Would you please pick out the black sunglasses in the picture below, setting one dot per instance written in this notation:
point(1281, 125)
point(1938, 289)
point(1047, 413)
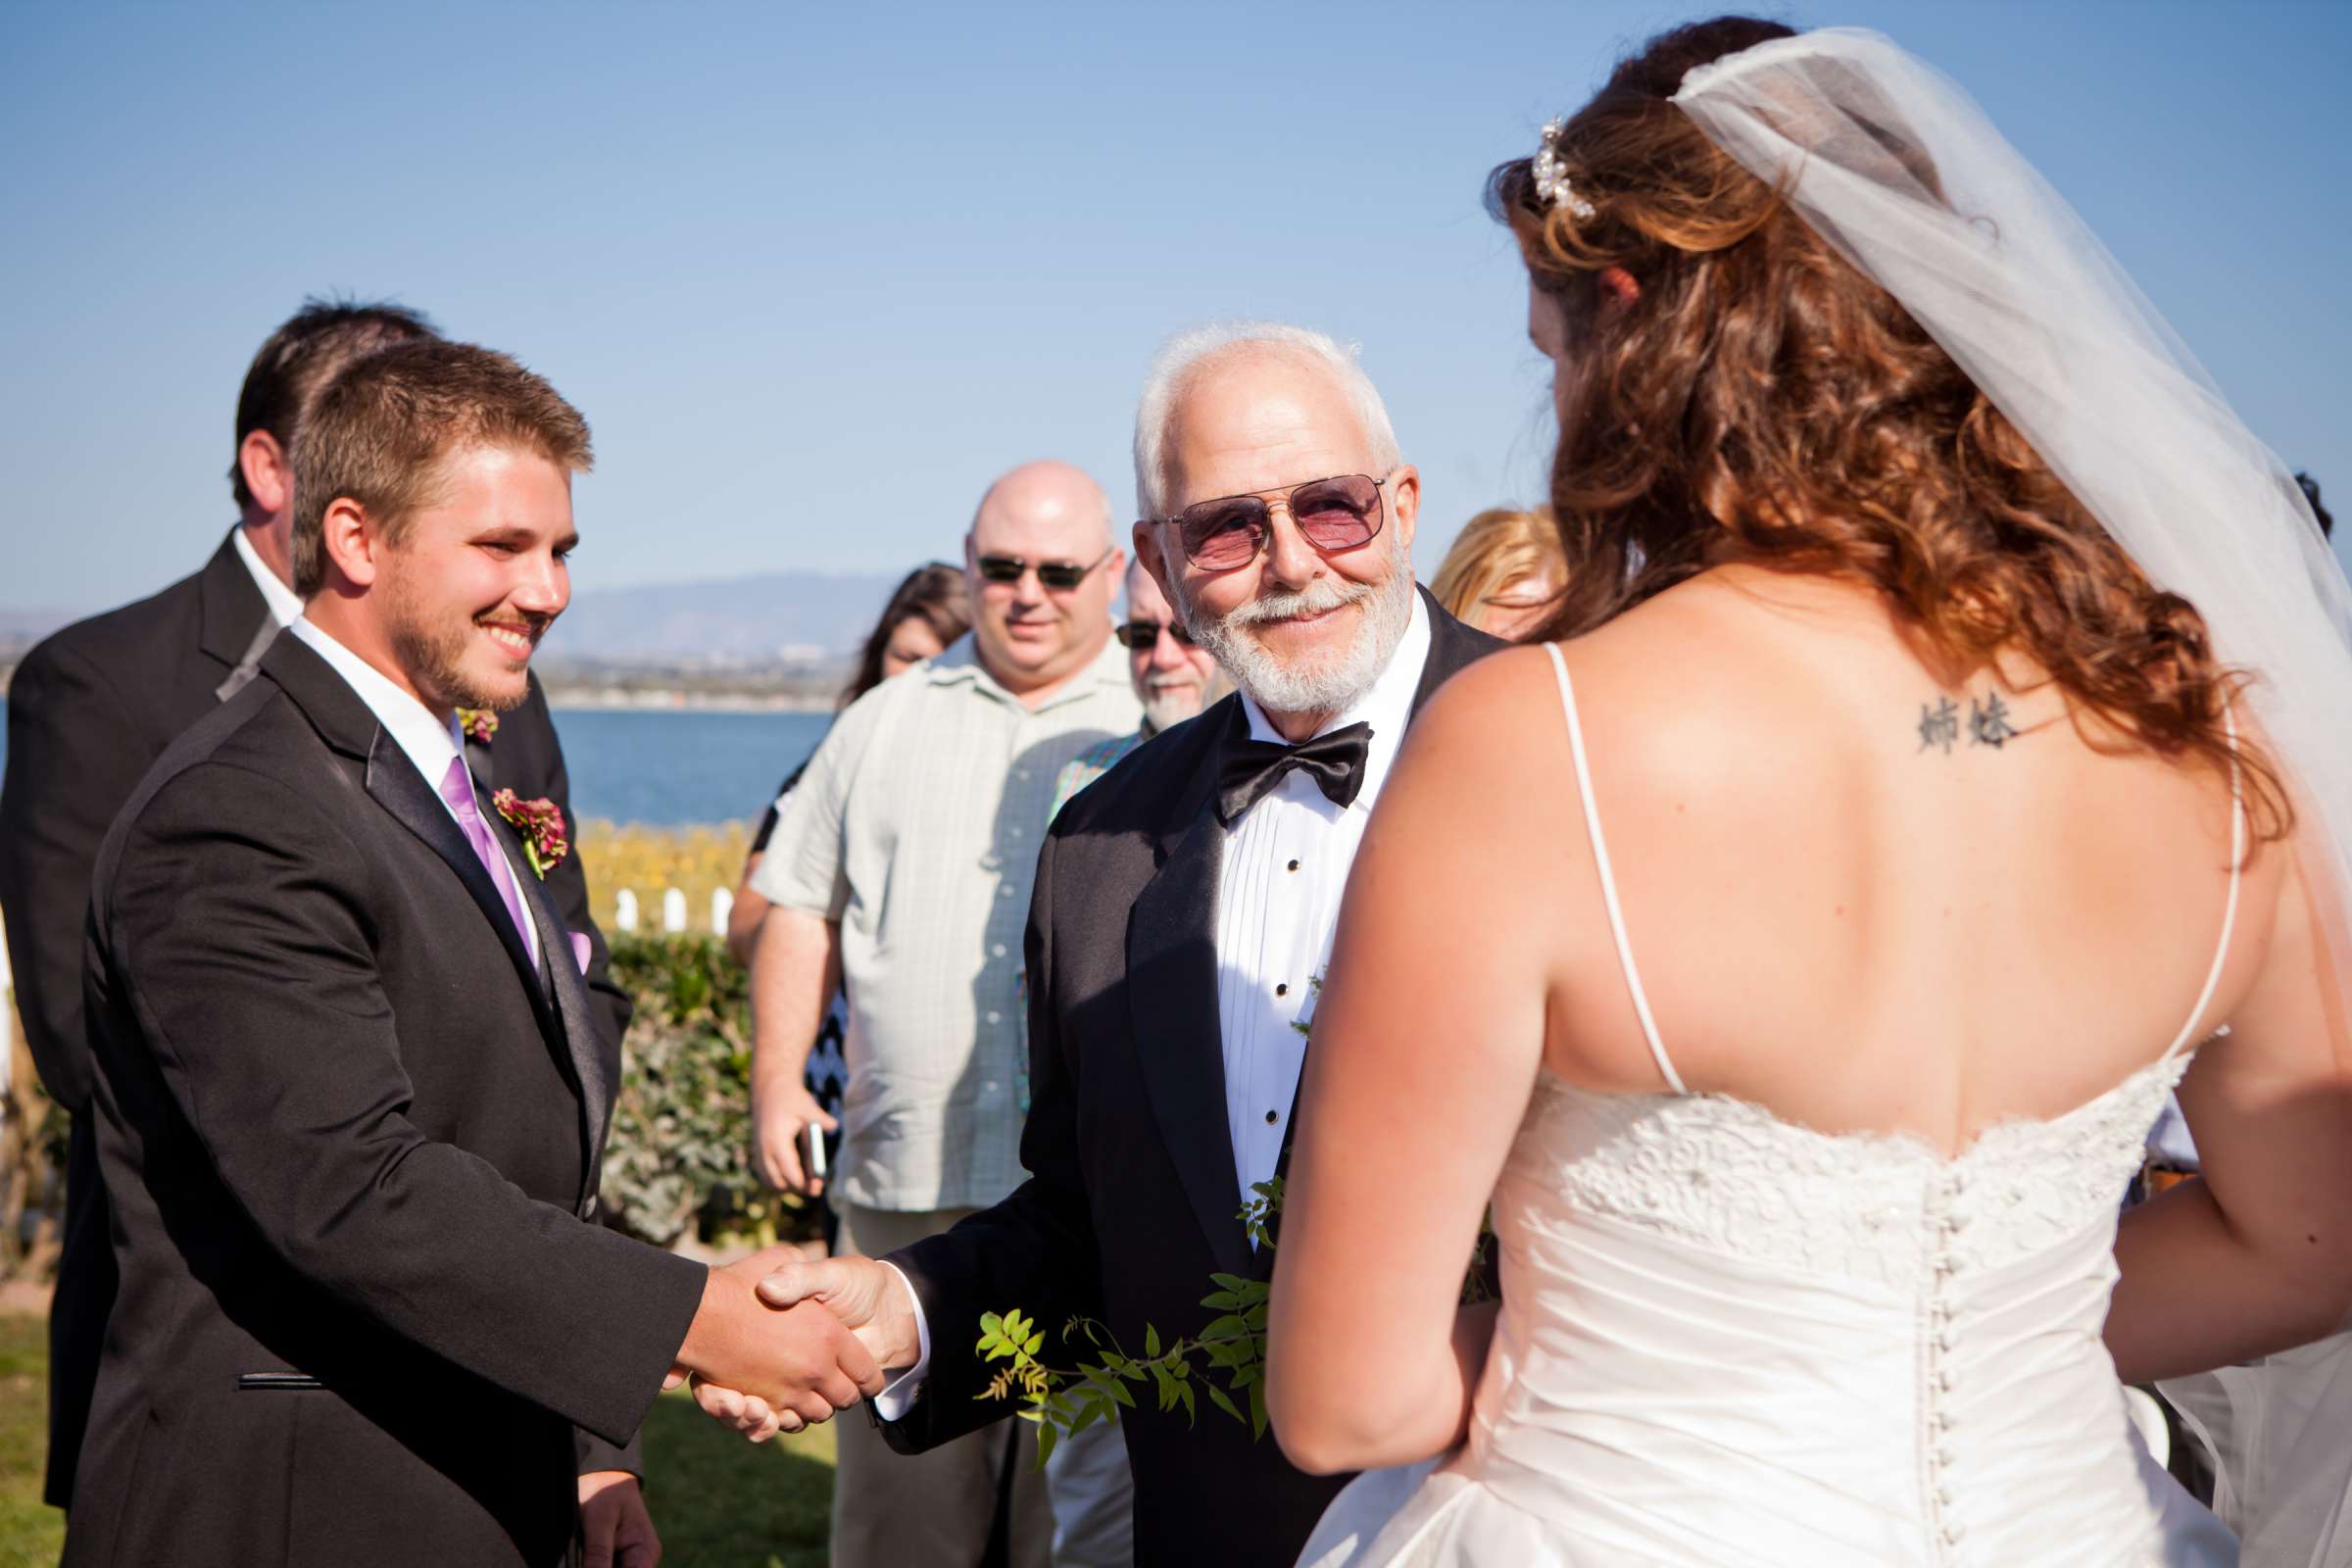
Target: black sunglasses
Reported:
point(1060, 575)
point(1333, 514)
point(1138, 635)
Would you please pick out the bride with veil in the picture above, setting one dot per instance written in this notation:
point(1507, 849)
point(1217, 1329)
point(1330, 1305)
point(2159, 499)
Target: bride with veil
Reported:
point(1945, 751)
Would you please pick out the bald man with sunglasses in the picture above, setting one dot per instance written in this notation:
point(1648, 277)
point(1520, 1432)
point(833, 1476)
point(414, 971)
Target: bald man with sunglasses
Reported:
point(909, 849)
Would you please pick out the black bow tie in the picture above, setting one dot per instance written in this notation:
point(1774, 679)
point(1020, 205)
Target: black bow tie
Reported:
point(1252, 769)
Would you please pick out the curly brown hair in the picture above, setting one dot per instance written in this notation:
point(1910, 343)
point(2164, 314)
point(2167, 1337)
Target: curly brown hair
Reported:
point(1761, 401)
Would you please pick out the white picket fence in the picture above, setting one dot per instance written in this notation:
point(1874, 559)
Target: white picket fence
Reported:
point(627, 913)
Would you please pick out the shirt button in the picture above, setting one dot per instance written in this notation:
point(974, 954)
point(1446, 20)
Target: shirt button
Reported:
point(988, 1087)
point(1013, 832)
point(995, 1018)
point(1004, 893)
point(1282, 991)
point(1021, 773)
point(997, 949)
point(1273, 1116)
point(1294, 866)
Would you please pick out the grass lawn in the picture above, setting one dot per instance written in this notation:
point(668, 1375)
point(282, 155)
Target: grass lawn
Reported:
point(718, 1501)
point(31, 1534)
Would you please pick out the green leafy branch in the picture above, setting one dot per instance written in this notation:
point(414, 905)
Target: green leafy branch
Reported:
point(1065, 1401)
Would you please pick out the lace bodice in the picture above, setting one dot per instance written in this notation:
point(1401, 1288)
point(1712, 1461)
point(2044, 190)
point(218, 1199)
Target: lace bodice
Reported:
point(1726, 1175)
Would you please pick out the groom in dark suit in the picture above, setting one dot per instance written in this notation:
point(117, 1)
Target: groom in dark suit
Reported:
point(1183, 912)
point(94, 706)
point(351, 1088)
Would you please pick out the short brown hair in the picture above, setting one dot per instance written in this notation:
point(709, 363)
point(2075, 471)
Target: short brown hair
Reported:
point(300, 356)
point(381, 428)
point(1762, 401)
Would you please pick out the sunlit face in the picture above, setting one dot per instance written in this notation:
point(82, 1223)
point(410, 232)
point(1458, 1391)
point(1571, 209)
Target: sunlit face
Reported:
point(1030, 635)
point(1519, 606)
point(478, 577)
point(1302, 630)
point(912, 640)
point(1171, 674)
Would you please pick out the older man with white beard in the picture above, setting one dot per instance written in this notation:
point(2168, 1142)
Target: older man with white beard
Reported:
point(1183, 908)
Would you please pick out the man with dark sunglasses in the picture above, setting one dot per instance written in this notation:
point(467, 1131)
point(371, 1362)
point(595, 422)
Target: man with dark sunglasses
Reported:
point(1173, 676)
point(909, 848)
point(1182, 914)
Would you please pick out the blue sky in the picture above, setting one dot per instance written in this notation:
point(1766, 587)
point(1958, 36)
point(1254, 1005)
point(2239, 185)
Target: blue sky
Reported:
point(815, 275)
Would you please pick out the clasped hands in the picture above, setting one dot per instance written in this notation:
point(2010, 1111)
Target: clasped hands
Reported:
point(782, 1343)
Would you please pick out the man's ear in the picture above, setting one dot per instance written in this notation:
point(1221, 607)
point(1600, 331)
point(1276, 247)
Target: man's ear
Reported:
point(1148, 557)
point(348, 543)
point(1405, 502)
point(267, 472)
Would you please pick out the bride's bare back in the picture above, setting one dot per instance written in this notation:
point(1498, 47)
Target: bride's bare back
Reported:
point(1859, 895)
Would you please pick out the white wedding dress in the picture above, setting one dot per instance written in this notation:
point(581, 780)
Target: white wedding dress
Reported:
point(1727, 1340)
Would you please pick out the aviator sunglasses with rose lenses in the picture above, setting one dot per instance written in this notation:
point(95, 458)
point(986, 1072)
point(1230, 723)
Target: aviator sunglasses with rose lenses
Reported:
point(1335, 515)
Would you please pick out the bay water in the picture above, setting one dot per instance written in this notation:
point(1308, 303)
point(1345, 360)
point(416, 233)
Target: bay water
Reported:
point(669, 768)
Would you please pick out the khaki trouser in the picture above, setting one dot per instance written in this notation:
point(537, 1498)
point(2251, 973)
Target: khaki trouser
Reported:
point(894, 1510)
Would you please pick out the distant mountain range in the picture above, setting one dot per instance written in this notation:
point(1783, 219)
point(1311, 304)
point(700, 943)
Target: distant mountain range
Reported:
point(789, 618)
point(785, 617)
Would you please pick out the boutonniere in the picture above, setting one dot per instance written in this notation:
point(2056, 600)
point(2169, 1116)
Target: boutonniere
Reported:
point(541, 824)
point(479, 724)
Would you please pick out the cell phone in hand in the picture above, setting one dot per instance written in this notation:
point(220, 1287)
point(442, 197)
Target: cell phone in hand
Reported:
point(812, 1141)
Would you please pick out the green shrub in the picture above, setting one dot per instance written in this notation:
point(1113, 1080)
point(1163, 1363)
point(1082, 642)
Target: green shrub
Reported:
point(677, 1162)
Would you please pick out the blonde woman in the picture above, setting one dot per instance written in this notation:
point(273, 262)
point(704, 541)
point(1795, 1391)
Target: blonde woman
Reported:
point(1505, 572)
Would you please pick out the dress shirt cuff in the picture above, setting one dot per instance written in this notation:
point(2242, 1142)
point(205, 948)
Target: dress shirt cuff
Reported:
point(898, 1395)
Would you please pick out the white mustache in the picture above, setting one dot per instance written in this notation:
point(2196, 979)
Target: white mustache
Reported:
point(1312, 600)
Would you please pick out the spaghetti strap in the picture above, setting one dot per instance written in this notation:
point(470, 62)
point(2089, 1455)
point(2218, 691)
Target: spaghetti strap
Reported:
point(2237, 859)
point(1609, 879)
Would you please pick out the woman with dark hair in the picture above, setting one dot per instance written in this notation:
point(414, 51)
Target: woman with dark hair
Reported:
point(926, 612)
point(1942, 759)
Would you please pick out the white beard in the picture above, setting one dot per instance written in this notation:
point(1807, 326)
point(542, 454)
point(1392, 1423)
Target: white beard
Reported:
point(1333, 680)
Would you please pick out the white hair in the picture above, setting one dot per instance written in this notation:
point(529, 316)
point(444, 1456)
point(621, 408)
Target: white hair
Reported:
point(1171, 373)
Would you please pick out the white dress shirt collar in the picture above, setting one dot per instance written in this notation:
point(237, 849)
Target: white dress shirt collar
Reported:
point(284, 608)
point(1388, 706)
point(430, 743)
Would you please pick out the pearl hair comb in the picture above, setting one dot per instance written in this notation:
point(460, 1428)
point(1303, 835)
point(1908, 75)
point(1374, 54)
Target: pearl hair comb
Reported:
point(1551, 177)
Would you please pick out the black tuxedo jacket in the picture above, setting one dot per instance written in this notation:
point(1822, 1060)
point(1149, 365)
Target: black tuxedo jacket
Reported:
point(1132, 1202)
point(89, 711)
point(351, 1135)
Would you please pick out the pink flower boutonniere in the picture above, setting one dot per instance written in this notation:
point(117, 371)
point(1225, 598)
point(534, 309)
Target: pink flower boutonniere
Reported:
point(479, 724)
point(541, 824)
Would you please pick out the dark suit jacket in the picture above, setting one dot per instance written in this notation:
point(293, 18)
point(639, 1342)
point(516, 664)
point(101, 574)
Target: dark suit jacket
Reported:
point(1132, 1201)
point(89, 711)
point(351, 1134)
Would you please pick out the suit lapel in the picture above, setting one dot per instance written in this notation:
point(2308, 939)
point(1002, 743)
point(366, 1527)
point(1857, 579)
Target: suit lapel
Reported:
point(1452, 648)
point(396, 786)
point(1173, 999)
point(592, 1072)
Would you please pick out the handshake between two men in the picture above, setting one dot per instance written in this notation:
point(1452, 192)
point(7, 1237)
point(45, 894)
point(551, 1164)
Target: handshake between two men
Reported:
point(782, 1343)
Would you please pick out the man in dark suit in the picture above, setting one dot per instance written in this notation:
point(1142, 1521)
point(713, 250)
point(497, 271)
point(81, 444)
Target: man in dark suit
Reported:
point(1183, 908)
point(89, 710)
point(351, 1091)
point(94, 706)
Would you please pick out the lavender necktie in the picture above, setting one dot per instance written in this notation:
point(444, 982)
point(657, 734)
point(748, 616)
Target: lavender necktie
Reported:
point(456, 787)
